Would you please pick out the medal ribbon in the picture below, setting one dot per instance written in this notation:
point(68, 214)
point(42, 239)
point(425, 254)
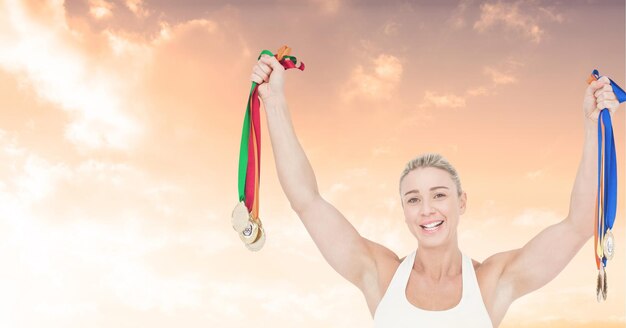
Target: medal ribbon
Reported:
point(250, 148)
point(606, 199)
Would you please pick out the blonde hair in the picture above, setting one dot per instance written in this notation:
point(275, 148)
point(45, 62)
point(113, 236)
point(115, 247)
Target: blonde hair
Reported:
point(432, 160)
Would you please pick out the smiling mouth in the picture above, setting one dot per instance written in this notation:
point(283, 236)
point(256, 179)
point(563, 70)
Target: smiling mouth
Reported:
point(432, 226)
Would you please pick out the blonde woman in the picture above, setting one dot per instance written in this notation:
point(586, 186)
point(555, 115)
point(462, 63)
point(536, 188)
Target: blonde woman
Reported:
point(437, 285)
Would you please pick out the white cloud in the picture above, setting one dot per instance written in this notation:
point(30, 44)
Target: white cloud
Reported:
point(48, 58)
point(391, 28)
point(498, 77)
point(478, 91)
point(379, 84)
point(534, 217)
point(525, 21)
point(137, 7)
point(457, 19)
point(431, 99)
point(100, 9)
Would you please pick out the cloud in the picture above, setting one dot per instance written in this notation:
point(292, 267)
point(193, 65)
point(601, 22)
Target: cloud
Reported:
point(100, 9)
point(137, 7)
point(534, 217)
point(503, 74)
point(431, 99)
point(498, 77)
point(525, 21)
point(329, 7)
point(533, 175)
point(391, 28)
point(50, 59)
point(478, 91)
point(378, 84)
point(457, 19)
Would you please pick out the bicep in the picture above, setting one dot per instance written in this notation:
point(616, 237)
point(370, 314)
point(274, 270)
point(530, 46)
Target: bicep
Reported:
point(341, 245)
point(542, 258)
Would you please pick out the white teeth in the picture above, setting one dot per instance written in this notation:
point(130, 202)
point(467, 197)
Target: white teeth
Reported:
point(432, 224)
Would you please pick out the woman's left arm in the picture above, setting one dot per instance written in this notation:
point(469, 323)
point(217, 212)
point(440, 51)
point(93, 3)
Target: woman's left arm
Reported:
point(546, 255)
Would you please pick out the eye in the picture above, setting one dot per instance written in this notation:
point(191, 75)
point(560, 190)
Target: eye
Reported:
point(412, 200)
point(443, 195)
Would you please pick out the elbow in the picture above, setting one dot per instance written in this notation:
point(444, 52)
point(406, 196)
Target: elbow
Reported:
point(302, 203)
point(582, 226)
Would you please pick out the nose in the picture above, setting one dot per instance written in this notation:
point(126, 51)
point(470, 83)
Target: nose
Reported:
point(427, 208)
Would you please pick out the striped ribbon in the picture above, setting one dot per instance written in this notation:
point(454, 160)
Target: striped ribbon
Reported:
point(250, 148)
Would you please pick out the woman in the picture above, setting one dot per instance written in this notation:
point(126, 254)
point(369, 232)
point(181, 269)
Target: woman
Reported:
point(436, 285)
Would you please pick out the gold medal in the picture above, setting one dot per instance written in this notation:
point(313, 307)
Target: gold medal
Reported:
point(604, 287)
point(609, 245)
point(258, 244)
point(600, 284)
point(240, 217)
point(250, 233)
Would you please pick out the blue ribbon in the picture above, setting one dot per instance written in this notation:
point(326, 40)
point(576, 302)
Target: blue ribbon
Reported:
point(609, 201)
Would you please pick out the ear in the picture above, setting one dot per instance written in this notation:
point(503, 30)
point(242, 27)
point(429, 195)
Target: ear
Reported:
point(462, 203)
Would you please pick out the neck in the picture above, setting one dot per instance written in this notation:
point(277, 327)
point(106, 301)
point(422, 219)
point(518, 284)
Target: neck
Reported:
point(437, 263)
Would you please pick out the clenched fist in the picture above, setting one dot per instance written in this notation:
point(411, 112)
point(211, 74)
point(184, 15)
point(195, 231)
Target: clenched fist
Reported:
point(599, 95)
point(269, 74)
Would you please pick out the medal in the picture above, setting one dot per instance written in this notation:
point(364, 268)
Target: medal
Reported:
point(606, 197)
point(609, 245)
point(604, 286)
point(240, 217)
point(258, 244)
point(250, 233)
point(600, 285)
point(245, 216)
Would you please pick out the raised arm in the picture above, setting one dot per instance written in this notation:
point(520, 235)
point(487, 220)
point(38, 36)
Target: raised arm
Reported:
point(546, 255)
point(351, 255)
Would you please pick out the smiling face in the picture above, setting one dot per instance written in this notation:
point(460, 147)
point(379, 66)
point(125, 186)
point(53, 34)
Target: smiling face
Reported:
point(432, 206)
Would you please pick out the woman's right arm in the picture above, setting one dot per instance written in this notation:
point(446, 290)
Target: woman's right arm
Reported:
point(351, 255)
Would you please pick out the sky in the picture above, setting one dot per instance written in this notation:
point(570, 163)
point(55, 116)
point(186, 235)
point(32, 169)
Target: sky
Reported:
point(119, 140)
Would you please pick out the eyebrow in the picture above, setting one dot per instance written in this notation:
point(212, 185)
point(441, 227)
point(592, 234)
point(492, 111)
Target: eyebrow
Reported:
point(431, 189)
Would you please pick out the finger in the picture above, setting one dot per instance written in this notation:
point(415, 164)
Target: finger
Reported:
point(593, 86)
point(255, 78)
point(609, 104)
point(271, 61)
point(605, 87)
point(614, 106)
point(264, 67)
point(604, 79)
point(606, 95)
point(258, 71)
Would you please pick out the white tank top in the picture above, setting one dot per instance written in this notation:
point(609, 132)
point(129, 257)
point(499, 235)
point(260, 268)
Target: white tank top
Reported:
point(395, 310)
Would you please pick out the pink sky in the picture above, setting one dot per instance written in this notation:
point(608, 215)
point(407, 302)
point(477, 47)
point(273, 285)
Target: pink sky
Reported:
point(119, 141)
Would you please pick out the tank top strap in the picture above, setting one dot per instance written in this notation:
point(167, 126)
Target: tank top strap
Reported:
point(470, 283)
point(401, 276)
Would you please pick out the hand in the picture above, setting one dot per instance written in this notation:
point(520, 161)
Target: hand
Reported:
point(269, 74)
point(599, 95)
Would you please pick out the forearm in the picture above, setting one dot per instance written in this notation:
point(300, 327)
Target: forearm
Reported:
point(583, 198)
point(294, 170)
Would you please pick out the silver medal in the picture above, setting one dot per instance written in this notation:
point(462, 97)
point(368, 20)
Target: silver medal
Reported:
point(609, 245)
